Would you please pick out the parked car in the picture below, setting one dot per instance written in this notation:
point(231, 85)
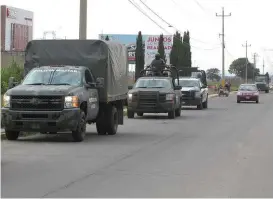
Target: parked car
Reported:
point(248, 92)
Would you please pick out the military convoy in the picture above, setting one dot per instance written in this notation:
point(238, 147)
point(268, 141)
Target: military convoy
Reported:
point(71, 83)
point(262, 82)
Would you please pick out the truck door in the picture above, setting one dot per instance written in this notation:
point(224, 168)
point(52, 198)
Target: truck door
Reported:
point(92, 98)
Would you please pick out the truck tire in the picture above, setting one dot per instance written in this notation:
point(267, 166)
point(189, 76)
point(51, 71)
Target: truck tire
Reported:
point(140, 114)
point(178, 112)
point(171, 114)
point(130, 114)
point(12, 135)
point(79, 134)
point(267, 91)
point(205, 104)
point(112, 121)
point(200, 106)
point(101, 129)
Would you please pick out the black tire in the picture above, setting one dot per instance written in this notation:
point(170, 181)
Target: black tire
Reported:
point(238, 101)
point(43, 133)
point(12, 135)
point(79, 134)
point(101, 129)
point(139, 114)
point(178, 112)
point(267, 91)
point(130, 114)
point(200, 106)
point(257, 101)
point(112, 121)
point(205, 104)
point(171, 114)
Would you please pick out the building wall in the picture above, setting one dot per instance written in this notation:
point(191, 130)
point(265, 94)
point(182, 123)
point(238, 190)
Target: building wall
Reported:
point(16, 28)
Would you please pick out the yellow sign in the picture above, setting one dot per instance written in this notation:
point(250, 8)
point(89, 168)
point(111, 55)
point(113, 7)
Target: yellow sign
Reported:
point(223, 82)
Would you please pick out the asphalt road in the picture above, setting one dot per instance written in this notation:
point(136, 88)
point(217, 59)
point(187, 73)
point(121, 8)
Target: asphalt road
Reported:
point(225, 151)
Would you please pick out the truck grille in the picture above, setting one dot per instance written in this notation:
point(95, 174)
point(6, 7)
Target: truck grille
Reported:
point(37, 103)
point(150, 99)
point(188, 94)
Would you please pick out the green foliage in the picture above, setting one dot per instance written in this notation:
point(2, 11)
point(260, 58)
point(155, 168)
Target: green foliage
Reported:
point(139, 55)
point(14, 70)
point(107, 38)
point(161, 49)
point(213, 74)
point(176, 48)
point(238, 67)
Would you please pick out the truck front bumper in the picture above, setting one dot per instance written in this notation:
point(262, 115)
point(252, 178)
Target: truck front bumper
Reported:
point(40, 121)
point(191, 102)
point(159, 108)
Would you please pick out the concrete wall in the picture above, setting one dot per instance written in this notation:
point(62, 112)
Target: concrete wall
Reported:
point(8, 57)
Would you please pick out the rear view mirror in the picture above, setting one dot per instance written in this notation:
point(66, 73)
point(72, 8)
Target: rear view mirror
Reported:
point(100, 82)
point(178, 87)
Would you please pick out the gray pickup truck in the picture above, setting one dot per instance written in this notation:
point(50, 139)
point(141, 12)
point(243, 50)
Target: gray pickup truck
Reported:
point(68, 84)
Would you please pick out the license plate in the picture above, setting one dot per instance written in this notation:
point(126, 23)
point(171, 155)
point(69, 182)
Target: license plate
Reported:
point(183, 102)
point(35, 126)
point(247, 97)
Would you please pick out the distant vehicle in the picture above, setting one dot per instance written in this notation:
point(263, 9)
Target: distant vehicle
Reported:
point(194, 93)
point(194, 87)
point(155, 93)
point(248, 92)
point(262, 82)
point(223, 92)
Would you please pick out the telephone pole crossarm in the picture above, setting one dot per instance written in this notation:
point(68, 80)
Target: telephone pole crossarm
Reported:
point(223, 39)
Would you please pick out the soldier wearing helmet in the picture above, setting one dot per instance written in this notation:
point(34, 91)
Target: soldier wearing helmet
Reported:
point(158, 64)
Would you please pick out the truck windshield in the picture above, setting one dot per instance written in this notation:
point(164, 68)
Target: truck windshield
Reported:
point(53, 77)
point(188, 83)
point(260, 79)
point(153, 83)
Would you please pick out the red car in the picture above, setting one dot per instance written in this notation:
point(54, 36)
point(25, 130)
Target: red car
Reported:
point(248, 92)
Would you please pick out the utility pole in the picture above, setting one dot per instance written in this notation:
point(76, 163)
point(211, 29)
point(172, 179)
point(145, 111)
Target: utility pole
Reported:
point(255, 55)
point(246, 46)
point(263, 66)
point(223, 39)
point(83, 20)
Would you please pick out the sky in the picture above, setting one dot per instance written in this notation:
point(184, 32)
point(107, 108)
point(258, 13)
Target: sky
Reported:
point(250, 21)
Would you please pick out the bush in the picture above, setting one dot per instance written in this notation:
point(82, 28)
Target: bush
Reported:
point(14, 70)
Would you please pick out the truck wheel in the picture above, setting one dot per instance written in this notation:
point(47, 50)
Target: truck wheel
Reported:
point(238, 101)
point(139, 114)
point(171, 114)
point(130, 114)
point(200, 106)
point(178, 112)
point(79, 134)
point(101, 129)
point(205, 104)
point(267, 91)
point(12, 135)
point(112, 121)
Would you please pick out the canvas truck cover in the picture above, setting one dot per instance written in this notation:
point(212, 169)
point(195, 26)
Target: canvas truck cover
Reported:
point(105, 59)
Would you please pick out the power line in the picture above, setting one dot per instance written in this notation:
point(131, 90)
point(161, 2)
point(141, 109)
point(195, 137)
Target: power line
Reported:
point(246, 46)
point(223, 39)
point(169, 24)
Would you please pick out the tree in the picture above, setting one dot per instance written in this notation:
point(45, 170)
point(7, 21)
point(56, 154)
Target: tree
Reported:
point(238, 67)
point(187, 47)
point(213, 74)
point(161, 49)
point(139, 55)
point(107, 38)
point(174, 54)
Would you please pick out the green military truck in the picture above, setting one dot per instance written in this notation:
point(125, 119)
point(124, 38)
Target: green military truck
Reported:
point(67, 84)
point(262, 82)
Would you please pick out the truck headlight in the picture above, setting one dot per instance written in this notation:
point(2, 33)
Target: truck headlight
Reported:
point(169, 97)
point(71, 102)
point(197, 94)
point(130, 97)
point(6, 101)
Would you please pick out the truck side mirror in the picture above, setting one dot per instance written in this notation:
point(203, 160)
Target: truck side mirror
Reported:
point(12, 83)
point(100, 82)
point(130, 87)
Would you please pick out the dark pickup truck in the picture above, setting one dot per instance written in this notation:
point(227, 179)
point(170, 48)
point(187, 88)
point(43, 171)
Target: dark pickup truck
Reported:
point(68, 83)
point(154, 94)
